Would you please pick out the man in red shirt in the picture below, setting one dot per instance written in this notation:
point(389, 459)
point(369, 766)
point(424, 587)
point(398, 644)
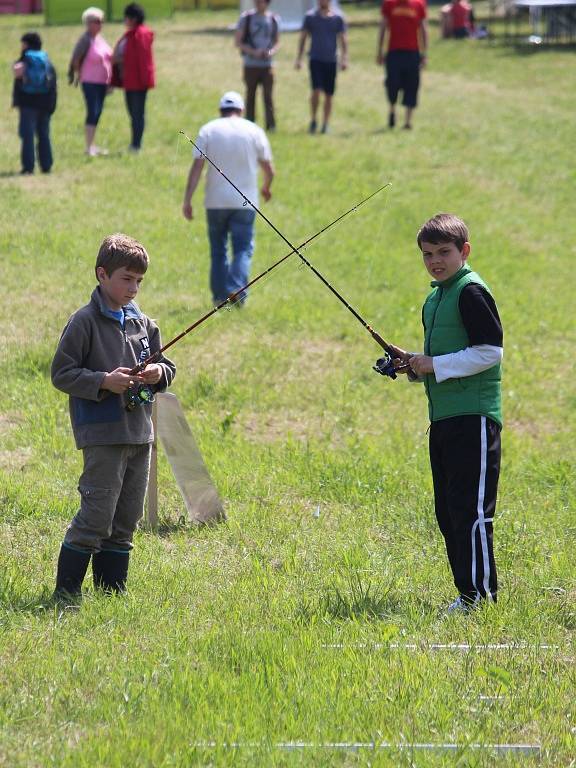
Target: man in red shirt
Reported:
point(405, 21)
point(457, 19)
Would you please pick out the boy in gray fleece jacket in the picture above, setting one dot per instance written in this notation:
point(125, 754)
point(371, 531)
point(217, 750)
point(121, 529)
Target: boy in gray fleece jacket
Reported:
point(99, 346)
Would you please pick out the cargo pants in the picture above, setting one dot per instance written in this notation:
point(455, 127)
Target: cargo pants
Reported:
point(112, 490)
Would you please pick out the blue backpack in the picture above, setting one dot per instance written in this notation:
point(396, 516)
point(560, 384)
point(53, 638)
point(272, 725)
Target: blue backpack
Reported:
point(38, 76)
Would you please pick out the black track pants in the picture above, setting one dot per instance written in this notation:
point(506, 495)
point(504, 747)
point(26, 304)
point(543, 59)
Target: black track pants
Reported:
point(465, 461)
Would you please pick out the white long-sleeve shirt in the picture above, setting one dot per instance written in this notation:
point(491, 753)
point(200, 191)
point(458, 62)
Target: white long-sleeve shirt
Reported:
point(467, 362)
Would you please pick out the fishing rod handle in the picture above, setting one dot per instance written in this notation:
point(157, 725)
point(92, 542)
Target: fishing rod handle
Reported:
point(379, 340)
point(140, 367)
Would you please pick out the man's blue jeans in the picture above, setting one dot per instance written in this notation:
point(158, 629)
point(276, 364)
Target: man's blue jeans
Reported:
point(35, 122)
point(227, 277)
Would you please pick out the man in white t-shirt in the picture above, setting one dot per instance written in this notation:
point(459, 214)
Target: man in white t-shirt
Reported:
point(239, 148)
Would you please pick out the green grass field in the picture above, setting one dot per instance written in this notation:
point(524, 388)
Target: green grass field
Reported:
point(223, 635)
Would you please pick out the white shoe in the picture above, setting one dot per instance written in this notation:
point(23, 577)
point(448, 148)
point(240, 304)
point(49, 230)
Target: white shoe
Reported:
point(94, 151)
point(459, 606)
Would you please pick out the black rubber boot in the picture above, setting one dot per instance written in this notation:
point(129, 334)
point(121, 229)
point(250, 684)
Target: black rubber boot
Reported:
point(110, 570)
point(72, 567)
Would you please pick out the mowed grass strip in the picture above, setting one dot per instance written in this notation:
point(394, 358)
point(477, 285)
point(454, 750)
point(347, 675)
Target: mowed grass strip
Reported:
point(331, 539)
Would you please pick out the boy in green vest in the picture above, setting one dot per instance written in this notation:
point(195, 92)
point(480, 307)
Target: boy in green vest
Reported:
point(460, 369)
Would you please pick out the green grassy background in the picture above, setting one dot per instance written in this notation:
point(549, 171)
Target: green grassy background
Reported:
point(222, 634)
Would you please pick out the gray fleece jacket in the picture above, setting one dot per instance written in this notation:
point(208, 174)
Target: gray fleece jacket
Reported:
point(92, 344)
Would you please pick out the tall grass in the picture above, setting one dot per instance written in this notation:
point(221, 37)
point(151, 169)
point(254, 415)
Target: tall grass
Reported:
point(331, 539)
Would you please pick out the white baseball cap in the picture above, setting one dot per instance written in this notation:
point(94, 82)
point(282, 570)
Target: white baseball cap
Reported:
point(232, 100)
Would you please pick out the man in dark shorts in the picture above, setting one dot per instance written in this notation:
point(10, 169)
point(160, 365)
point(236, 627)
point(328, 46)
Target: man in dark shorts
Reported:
point(405, 21)
point(327, 31)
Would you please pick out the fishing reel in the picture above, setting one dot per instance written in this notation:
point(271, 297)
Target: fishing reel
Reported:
point(385, 367)
point(139, 395)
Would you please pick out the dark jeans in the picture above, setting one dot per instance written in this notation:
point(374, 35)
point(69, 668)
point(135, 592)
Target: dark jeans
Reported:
point(136, 103)
point(94, 95)
point(253, 77)
point(35, 122)
point(238, 224)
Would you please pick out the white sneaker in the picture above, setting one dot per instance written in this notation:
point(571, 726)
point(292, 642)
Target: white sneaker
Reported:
point(94, 151)
point(459, 606)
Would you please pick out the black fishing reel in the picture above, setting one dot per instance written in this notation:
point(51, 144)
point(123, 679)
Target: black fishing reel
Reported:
point(385, 367)
point(139, 395)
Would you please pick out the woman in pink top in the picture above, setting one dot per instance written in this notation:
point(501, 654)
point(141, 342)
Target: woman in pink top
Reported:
point(91, 65)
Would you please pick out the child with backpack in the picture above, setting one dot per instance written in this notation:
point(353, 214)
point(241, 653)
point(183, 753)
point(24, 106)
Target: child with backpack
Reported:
point(34, 94)
point(257, 38)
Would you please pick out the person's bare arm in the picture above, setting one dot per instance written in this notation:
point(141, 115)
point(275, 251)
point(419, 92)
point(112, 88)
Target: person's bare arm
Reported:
point(423, 42)
point(380, 57)
point(343, 41)
point(301, 44)
point(268, 170)
point(238, 36)
point(268, 53)
point(193, 179)
point(241, 44)
point(275, 43)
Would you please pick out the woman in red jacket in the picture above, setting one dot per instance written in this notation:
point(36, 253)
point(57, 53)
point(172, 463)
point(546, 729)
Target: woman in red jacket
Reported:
point(134, 68)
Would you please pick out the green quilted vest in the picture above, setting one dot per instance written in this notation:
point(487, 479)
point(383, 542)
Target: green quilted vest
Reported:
point(445, 333)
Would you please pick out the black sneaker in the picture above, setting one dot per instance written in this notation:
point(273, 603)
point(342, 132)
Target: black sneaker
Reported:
point(391, 120)
point(312, 127)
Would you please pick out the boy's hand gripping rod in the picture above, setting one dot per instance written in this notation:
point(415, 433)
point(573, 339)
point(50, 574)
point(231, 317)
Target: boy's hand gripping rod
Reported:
point(385, 366)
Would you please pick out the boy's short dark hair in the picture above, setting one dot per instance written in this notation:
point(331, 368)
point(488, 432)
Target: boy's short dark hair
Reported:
point(443, 228)
point(119, 251)
point(134, 11)
point(32, 40)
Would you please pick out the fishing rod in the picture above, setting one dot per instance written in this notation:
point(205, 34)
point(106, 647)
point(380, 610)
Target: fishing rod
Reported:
point(143, 393)
point(385, 365)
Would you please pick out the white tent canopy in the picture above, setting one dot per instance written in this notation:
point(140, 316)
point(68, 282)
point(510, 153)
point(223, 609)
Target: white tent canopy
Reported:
point(291, 12)
point(544, 3)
